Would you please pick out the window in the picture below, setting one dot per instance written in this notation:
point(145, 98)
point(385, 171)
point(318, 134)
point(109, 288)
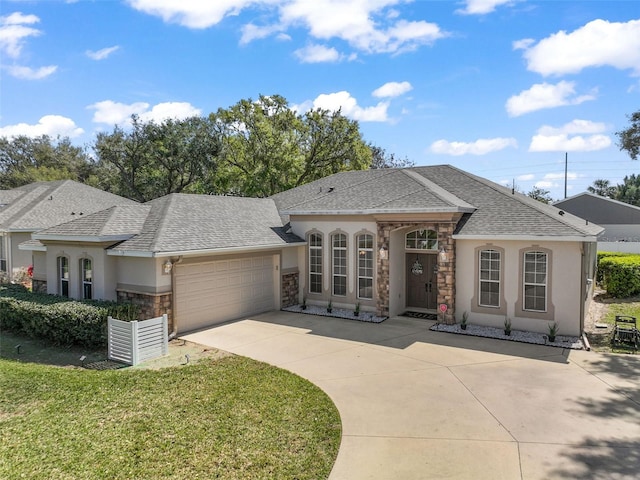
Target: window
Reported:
point(422, 240)
point(365, 266)
point(489, 283)
point(63, 276)
point(87, 278)
point(3, 258)
point(339, 263)
point(535, 281)
point(315, 263)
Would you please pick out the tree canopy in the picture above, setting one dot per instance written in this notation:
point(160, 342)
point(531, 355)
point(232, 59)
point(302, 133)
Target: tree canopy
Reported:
point(540, 194)
point(26, 160)
point(603, 188)
point(629, 138)
point(253, 148)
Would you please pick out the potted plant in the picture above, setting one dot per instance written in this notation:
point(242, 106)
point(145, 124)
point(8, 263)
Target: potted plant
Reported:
point(329, 307)
point(304, 303)
point(356, 312)
point(507, 326)
point(463, 322)
point(553, 331)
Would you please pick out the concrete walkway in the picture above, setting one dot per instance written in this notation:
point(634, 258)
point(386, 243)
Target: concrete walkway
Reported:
point(417, 404)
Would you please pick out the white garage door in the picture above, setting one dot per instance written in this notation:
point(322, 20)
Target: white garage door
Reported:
point(213, 292)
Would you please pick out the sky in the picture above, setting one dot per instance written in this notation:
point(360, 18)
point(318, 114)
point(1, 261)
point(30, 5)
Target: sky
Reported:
point(505, 89)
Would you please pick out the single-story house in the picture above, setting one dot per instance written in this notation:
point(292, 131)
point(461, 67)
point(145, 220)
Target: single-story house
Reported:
point(621, 221)
point(390, 240)
point(40, 205)
point(201, 259)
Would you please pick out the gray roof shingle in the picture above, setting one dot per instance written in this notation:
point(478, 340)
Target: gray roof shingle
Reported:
point(489, 209)
point(41, 205)
point(181, 223)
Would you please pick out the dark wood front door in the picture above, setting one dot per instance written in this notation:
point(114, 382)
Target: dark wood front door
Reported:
point(422, 284)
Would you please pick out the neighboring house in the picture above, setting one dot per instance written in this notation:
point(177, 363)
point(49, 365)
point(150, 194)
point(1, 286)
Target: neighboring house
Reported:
point(397, 240)
point(201, 259)
point(40, 205)
point(391, 240)
point(620, 220)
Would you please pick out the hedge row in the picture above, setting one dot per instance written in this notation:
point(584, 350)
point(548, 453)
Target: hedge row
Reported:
point(59, 319)
point(619, 273)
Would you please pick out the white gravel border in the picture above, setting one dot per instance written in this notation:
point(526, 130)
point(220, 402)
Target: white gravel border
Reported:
point(562, 341)
point(337, 313)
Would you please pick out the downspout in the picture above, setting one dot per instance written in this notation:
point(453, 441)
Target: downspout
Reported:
point(583, 285)
point(174, 315)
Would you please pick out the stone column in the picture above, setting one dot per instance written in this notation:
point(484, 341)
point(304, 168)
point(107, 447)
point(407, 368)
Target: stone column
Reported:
point(382, 298)
point(447, 270)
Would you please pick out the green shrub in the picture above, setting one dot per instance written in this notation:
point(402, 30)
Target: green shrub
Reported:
point(619, 273)
point(59, 319)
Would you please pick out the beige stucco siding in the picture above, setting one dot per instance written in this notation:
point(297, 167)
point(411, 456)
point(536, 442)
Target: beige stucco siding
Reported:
point(39, 265)
point(142, 274)
point(18, 258)
point(103, 288)
point(564, 304)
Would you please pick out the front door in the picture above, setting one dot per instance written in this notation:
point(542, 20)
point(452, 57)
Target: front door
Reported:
point(422, 284)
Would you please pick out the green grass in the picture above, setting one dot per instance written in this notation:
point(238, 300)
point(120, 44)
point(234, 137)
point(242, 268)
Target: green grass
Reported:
point(230, 418)
point(631, 308)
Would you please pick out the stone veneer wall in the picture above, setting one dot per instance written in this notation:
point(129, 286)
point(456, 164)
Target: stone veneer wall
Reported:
point(290, 286)
point(446, 266)
point(151, 304)
point(38, 286)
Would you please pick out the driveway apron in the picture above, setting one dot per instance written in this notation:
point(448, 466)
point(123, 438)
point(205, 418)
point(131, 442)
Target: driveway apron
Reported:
point(417, 404)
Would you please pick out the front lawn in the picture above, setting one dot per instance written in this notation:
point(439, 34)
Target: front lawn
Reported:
point(229, 418)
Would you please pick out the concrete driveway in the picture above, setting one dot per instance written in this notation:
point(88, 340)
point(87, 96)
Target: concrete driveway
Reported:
point(417, 404)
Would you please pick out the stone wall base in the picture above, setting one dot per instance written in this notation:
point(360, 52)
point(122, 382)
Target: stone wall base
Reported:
point(290, 288)
point(151, 304)
point(38, 286)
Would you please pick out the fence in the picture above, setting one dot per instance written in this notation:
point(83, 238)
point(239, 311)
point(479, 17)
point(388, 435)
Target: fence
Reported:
point(137, 341)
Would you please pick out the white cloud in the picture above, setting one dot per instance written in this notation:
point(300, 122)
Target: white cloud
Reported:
point(52, 125)
point(317, 54)
point(27, 73)
point(348, 106)
point(526, 178)
point(195, 14)
point(523, 44)
point(560, 176)
point(575, 136)
point(102, 53)
point(369, 26)
point(14, 31)
point(574, 127)
point(392, 89)
point(596, 44)
point(481, 7)
point(545, 95)
point(115, 113)
point(479, 147)
point(545, 184)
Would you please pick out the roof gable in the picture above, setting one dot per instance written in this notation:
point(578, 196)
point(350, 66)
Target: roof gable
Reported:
point(41, 205)
point(601, 210)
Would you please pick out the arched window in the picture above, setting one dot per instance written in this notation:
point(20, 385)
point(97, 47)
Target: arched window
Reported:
point(63, 276)
point(365, 266)
point(489, 281)
point(422, 239)
point(535, 281)
point(339, 263)
point(315, 263)
point(86, 274)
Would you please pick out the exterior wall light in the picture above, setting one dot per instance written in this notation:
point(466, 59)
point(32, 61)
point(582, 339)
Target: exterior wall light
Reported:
point(167, 266)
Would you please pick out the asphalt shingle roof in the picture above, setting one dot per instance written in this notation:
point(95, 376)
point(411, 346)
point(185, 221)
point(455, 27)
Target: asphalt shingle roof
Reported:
point(489, 209)
point(182, 223)
point(41, 205)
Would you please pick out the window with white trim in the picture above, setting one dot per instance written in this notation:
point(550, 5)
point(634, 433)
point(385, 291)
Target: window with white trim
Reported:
point(63, 276)
point(315, 263)
point(422, 239)
point(339, 263)
point(535, 281)
point(489, 281)
point(3, 257)
point(365, 266)
point(86, 273)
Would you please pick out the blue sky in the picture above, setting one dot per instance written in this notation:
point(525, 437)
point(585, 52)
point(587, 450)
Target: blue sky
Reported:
point(496, 87)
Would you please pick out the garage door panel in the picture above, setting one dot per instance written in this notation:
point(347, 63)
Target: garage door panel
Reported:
point(213, 292)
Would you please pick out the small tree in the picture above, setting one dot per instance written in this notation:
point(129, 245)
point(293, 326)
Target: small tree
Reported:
point(540, 194)
point(630, 137)
point(603, 188)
